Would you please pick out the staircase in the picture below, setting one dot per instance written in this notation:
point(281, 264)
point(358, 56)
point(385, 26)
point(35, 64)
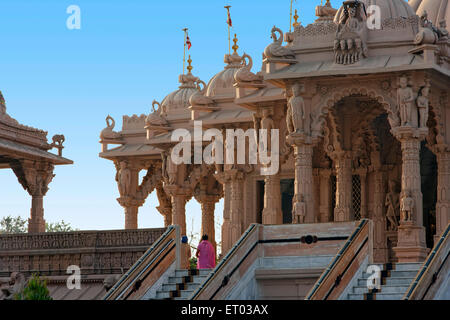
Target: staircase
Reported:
point(182, 284)
point(395, 280)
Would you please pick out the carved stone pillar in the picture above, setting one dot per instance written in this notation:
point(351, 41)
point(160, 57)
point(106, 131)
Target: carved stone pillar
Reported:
point(343, 210)
point(35, 176)
point(325, 195)
point(226, 225)
point(272, 213)
point(237, 204)
point(166, 212)
point(208, 204)
point(411, 246)
point(165, 204)
point(128, 182)
point(179, 211)
point(179, 197)
point(443, 193)
point(380, 250)
point(304, 192)
point(131, 207)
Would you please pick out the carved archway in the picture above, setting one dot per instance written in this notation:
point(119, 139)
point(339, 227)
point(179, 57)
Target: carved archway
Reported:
point(339, 93)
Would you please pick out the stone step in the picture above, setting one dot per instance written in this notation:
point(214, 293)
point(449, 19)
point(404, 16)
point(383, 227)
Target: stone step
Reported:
point(173, 279)
point(407, 267)
point(161, 295)
point(360, 290)
point(388, 296)
point(353, 296)
point(403, 274)
point(388, 281)
point(185, 294)
point(199, 279)
point(205, 272)
point(394, 273)
point(393, 289)
point(399, 281)
point(383, 289)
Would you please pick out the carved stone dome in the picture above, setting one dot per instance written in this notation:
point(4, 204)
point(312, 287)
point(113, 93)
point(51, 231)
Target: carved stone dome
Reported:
point(389, 9)
point(221, 85)
point(178, 101)
point(437, 10)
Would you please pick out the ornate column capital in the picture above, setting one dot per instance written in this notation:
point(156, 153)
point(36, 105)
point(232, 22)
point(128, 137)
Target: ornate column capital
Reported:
point(34, 176)
point(300, 139)
point(406, 133)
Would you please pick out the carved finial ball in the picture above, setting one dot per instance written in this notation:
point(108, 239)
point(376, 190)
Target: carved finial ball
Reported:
point(189, 67)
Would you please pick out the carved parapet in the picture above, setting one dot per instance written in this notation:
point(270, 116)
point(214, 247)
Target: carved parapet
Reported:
point(96, 252)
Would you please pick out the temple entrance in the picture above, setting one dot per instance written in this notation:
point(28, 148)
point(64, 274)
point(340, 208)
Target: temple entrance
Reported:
point(287, 194)
point(428, 172)
point(260, 189)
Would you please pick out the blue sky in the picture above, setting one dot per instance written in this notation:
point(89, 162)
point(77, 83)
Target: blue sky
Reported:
point(126, 54)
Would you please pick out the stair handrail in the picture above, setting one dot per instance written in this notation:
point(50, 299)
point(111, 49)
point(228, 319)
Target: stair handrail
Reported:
point(423, 278)
point(337, 259)
point(129, 277)
point(253, 228)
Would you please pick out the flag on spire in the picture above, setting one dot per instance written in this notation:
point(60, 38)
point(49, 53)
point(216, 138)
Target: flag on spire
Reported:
point(229, 22)
point(188, 42)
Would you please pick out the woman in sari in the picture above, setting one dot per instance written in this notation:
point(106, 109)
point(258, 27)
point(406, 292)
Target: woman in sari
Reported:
point(206, 255)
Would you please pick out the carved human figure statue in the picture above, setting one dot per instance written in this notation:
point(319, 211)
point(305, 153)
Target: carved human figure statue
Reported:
point(299, 212)
point(392, 205)
point(169, 169)
point(405, 99)
point(423, 105)
point(296, 113)
point(124, 179)
point(268, 124)
point(353, 23)
point(407, 206)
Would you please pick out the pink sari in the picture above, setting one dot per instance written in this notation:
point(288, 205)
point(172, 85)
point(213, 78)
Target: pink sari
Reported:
point(206, 258)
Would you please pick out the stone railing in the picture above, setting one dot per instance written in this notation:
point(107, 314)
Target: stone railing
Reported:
point(95, 252)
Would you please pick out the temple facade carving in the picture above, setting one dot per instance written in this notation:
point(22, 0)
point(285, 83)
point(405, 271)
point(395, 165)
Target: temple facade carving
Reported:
point(357, 111)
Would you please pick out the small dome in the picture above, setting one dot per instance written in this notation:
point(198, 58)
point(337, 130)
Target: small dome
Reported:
point(437, 10)
point(389, 9)
point(178, 100)
point(221, 85)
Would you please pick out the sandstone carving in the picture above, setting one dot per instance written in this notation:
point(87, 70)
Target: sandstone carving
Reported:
point(299, 211)
point(407, 206)
point(405, 101)
point(423, 105)
point(124, 179)
point(245, 73)
point(199, 100)
point(392, 206)
point(15, 286)
point(326, 12)
point(276, 50)
point(157, 117)
point(169, 169)
point(350, 43)
point(108, 132)
point(296, 113)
